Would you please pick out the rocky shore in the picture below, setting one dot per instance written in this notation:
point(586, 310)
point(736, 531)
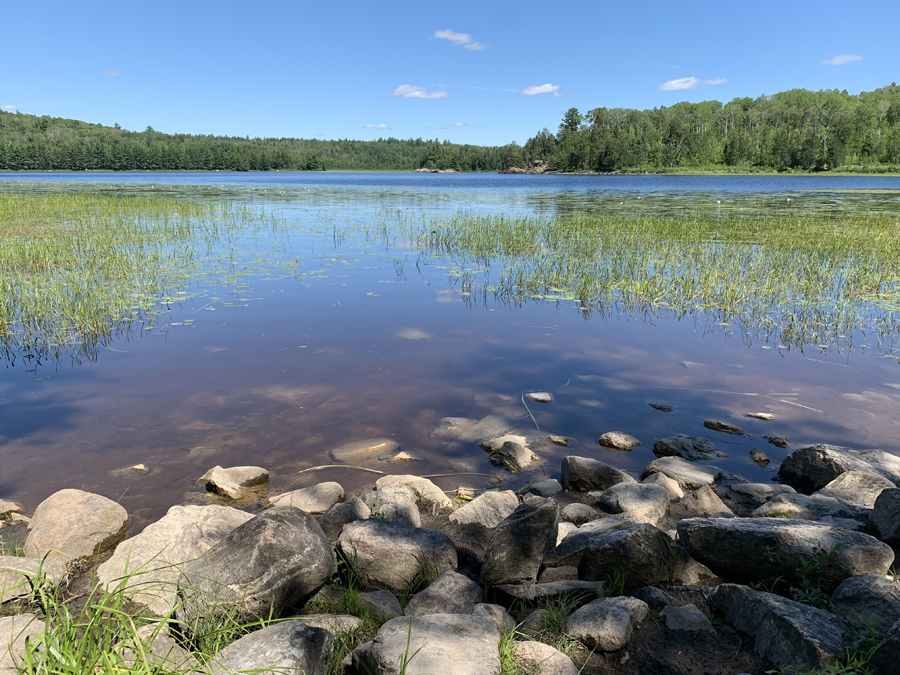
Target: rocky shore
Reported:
point(682, 569)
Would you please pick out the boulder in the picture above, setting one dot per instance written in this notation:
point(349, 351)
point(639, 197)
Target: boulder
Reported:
point(638, 502)
point(333, 623)
point(579, 514)
point(702, 503)
point(149, 564)
point(545, 488)
point(429, 497)
point(333, 520)
point(356, 450)
point(395, 504)
point(582, 474)
point(787, 633)
point(391, 555)
point(857, 488)
point(236, 482)
point(573, 591)
point(886, 516)
point(287, 646)
point(812, 468)
point(607, 623)
point(450, 593)
point(438, 644)
point(672, 488)
point(520, 543)
point(748, 550)
point(688, 475)
point(760, 493)
point(19, 575)
point(564, 529)
point(885, 659)
point(656, 598)
point(8, 508)
point(541, 659)
point(496, 614)
point(470, 527)
point(276, 560)
point(618, 440)
point(73, 524)
point(382, 605)
point(724, 427)
point(868, 598)
point(533, 624)
point(805, 507)
point(687, 618)
point(691, 448)
point(512, 456)
point(316, 499)
point(14, 631)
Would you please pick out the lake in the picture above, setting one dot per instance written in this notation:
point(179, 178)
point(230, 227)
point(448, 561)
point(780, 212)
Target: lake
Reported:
point(334, 325)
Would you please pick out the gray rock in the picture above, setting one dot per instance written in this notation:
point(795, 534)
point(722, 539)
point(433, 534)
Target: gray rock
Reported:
point(235, 482)
point(759, 456)
point(702, 503)
point(857, 488)
point(383, 605)
point(564, 529)
point(285, 646)
point(606, 624)
point(778, 441)
point(885, 659)
point(509, 451)
point(654, 597)
point(429, 497)
point(277, 560)
point(618, 440)
point(450, 428)
point(158, 650)
point(540, 396)
point(487, 510)
point(333, 623)
point(371, 447)
point(316, 499)
point(785, 632)
point(14, 631)
point(672, 488)
point(724, 427)
point(391, 556)
point(556, 439)
point(73, 524)
point(868, 598)
point(496, 615)
point(574, 591)
point(688, 475)
point(395, 504)
point(438, 644)
point(662, 407)
point(691, 448)
point(886, 516)
point(450, 593)
point(149, 564)
point(520, 543)
point(333, 520)
point(761, 416)
point(578, 514)
point(542, 659)
point(533, 624)
point(687, 618)
point(19, 575)
point(545, 488)
point(812, 468)
point(803, 507)
point(638, 502)
point(564, 573)
point(582, 474)
point(570, 549)
point(760, 493)
point(747, 550)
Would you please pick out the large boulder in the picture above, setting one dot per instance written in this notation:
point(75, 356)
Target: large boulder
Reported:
point(149, 564)
point(276, 560)
point(520, 543)
point(316, 499)
point(691, 448)
point(857, 488)
point(688, 475)
point(287, 646)
point(748, 550)
point(450, 593)
point(470, 526)
point(73, 524)
point(886, 516)
point(868, 598)
point(638, 502)
point(583, 474)
point(812, 468)
point(392, 556)
point(787, 633)
point(333, 520)
point(438, 644)
point(606, 623)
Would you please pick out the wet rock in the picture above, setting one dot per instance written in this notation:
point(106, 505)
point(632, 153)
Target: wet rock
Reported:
point(803, 507)
point(371, 447)
point(778, 441)
point(691, 448)
point(276, 560)
point(702, 503)
point(545, 488)
point(654, 597)
point(688, 475)
point(556, 439)
point(748, 550)
point(540, 396)
point(759, 457)
point(451, 427)
point(724, 427)
point(785, 632)
point(451, 593)
point(607, 623)
point(886, 516)
point(511, 455)
point(383, 605)
point(285, 646)
point(520, 543)
point(638, 502)
point(429, 497)
point(332, 521)
point(672, 488)
point(868, 598)
point(687, 618)
point(235, 482)
point(812, 468)
point(14, 631)
point(542, 659)
point(316, 499)
point(16, 575)
point(487, 427)
point(857, 488)
point(573, 591)
point(578, 514)
point(661, 407)
point(438, 644)
point(391, 555)
point(582, 474)
point(333, 623)
point(761, 416)
point(395, 504)
point(618, 440)
point(496, 614)
point(73, 524)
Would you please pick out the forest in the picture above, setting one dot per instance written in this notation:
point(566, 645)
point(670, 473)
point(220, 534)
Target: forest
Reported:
point(796, 130)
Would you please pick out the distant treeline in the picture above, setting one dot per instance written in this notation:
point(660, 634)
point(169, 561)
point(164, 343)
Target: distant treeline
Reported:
point(793, 130)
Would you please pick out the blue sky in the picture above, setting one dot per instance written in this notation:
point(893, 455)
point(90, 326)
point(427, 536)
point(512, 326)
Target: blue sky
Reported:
point(472, 72)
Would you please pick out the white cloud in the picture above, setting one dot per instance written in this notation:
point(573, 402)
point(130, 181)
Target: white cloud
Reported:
point(841, 59)
point(463, 40)
point(10, 108)
point(686, 83)
point(538, 89)
point(112, 73)
point(459, 124)
point(409, 91)
point(377, 127)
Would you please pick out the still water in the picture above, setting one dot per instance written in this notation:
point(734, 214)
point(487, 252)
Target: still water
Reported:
point(333, 339)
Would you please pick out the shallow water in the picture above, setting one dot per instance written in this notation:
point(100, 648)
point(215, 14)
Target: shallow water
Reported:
point(356, 341)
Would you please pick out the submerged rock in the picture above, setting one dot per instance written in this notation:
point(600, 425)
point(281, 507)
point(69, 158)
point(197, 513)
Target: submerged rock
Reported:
point(778, 441)
point(362, 449)
point(724, 427)
point(759, 457)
